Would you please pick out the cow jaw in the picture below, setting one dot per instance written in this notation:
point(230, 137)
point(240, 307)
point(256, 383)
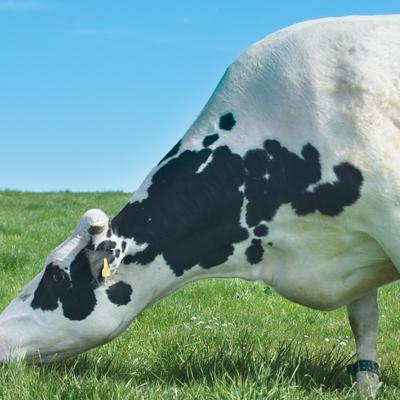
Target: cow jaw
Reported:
point(44, 336)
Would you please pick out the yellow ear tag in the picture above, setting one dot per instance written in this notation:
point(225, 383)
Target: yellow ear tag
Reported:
point(105, 272)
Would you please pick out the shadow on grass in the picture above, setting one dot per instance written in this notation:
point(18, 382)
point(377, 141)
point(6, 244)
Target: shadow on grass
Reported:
point(292, 363)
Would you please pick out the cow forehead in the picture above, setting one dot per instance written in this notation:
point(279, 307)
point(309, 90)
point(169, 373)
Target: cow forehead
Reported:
point(192, 212)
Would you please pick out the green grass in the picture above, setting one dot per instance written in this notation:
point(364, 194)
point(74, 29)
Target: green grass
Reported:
point(215, 339)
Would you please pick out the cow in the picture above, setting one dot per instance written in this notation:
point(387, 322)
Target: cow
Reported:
point(289, 175)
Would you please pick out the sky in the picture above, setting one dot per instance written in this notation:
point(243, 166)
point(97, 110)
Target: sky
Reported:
point(94, 93)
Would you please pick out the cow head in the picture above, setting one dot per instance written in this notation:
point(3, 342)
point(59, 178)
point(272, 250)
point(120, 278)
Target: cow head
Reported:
point(77, 302)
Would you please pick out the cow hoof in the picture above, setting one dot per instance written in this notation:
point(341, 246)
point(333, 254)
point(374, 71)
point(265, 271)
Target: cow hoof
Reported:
point(368, 384)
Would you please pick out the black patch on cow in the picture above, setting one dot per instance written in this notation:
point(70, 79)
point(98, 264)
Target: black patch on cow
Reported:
point(109, 233)
point(107, 245)
point(117, 253)
point(178, 217)
point(256, 163)
point(90, 246)
point(76, 294)
point(255, 252)
point(142, 257)
point(280, 177)
point(48, 291)
point(261, 230)
point(331, 198)
point(210, 139)
point(172, 152)
point(120, 293)
point(283, 177)
point(123, 246)
point(128, 259)
point(227, 122)
point(193, 218)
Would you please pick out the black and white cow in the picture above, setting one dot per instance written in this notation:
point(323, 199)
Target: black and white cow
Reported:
point(290, 175)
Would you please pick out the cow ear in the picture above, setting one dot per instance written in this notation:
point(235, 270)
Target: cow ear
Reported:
point(99, 261)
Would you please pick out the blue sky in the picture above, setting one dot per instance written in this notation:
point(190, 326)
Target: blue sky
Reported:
point(93, 93)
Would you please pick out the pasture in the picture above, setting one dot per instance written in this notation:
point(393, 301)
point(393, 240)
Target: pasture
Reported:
point(215, 339)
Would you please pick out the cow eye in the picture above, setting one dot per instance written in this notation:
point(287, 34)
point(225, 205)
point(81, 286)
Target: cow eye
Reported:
point(58, 276)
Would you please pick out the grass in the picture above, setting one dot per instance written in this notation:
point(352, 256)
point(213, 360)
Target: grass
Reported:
point(215, 339)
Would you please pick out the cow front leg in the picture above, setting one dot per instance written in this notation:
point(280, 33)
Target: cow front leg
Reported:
point(363, 317)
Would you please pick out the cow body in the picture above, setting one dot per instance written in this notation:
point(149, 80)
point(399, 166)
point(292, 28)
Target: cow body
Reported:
point(289, 175)
point(314, 119)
